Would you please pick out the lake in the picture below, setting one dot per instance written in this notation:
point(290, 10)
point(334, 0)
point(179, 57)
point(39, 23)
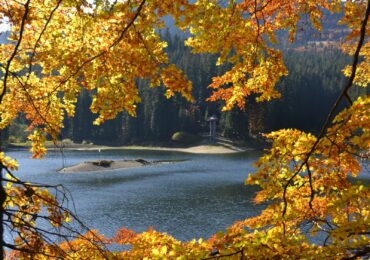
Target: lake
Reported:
point(188, 199)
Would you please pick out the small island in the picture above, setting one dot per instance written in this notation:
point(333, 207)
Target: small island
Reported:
point(106, 165)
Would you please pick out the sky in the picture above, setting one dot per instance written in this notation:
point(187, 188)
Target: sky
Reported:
point(4, 26)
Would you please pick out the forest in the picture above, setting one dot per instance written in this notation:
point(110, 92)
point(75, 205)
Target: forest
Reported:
point(314, 78)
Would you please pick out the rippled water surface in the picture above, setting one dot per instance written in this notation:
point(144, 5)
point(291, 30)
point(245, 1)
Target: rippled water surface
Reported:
point(192, 198)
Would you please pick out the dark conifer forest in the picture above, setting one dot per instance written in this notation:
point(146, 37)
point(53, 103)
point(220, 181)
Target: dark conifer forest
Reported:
point(307, 94)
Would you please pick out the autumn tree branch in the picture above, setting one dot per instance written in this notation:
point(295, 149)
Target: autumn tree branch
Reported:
point(28, 187)
point(17, 220)
point(40, 35)
point(343, 94)
point(21, 31)
point(360, 253)
point(117, 41)
point(226, 255)
point(3, 194)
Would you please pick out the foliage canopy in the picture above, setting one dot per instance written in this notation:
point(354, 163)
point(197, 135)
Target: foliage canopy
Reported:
point(58, 47)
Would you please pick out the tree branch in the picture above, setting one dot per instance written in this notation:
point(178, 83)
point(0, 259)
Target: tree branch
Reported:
point(332, 112)
point(21, 31)
point(39, 38)
point(226, 255)
point(120, 37)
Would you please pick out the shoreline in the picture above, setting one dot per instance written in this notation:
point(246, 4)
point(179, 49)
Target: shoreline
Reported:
point(199, 149)
point(196, 149)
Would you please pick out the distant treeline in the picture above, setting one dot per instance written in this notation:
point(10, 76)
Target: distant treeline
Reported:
point(308, 92)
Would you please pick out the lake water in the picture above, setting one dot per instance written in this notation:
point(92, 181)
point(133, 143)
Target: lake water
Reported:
point(189, 199)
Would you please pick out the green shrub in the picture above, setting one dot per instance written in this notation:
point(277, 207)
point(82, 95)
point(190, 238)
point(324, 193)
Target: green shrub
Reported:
point(185, 138)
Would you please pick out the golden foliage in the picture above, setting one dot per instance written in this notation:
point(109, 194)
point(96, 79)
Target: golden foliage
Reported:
point(58, 47)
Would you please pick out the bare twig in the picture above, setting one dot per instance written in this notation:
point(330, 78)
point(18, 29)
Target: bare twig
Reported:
point(311, 187)
point(359, 254)
point(19, 218)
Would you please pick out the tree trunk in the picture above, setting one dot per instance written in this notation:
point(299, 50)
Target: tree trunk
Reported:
point(256, 118)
